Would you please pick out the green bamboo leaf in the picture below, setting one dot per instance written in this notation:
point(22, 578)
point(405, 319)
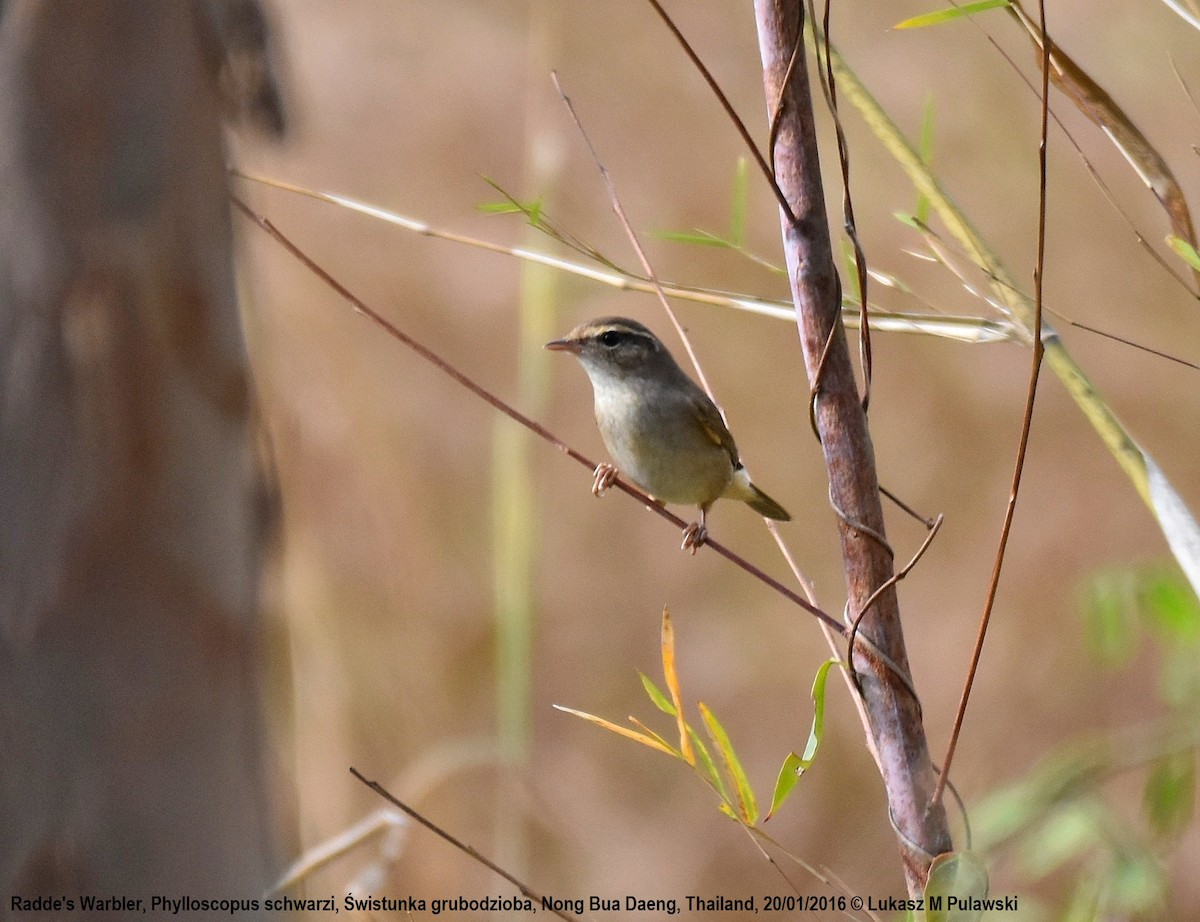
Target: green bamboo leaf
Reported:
point(956, 12)
point(499, 208)
point(747, 805)
point(1184, 250)
point(1170, 794)
point(789, 774)
point(709, 766)
point(925, 150)
point(1171, 607)
point(656, 695)
point(818, 724)
point(695, 238)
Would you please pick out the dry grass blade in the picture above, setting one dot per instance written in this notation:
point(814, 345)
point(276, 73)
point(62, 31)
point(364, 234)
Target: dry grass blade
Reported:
point(672, 677)
point(1091, 99)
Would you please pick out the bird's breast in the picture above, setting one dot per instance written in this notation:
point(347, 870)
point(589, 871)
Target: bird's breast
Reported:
point(661, 447)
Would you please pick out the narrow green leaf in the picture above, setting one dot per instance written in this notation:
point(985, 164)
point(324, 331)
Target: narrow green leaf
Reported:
point(695, 238)
point(656, 695)
point(1185, 251)
point(789, 774)
point(1170, 794)
point(709, 766)
point(737, 204)
point(925, 151)
point(499, 208)
point(956, 12)
point(1172, 607)
point(747, 805)
point(818, 724)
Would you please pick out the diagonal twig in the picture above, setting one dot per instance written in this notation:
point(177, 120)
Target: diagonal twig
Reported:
point(537, 428)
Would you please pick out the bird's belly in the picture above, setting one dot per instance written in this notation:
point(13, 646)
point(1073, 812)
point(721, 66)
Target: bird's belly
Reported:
point(688, 469)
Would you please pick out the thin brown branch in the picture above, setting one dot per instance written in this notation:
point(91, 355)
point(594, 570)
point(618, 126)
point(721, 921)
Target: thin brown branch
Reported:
point(623, 219)
point(523, 888)
point(541, 431)
point(728, 107)
point(1035, 369)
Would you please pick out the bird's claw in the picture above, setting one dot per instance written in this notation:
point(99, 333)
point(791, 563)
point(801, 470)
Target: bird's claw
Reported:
point(694, 537)
point(604, 478)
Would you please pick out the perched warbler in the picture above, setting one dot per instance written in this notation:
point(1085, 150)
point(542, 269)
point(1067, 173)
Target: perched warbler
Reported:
point(661, 429)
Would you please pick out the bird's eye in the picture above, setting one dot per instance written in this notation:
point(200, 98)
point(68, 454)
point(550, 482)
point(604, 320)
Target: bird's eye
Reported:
point(611, 337)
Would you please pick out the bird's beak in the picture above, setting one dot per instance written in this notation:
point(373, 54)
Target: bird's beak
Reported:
point(565, 345)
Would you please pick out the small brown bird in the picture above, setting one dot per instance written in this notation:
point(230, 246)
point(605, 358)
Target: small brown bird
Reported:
point(662, 430)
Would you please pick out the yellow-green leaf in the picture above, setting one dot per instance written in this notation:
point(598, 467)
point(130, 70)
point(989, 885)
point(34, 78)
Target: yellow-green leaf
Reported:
point(1185, 250)
point(622, 731)
point(789, 774)
point(955, 12)
point(747, 805)
point(668, 658)
point(709, 766)
point(656, 695)
point(818, 724)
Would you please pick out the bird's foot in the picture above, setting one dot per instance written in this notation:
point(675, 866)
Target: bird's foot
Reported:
point(694, 537)
point(604, 477)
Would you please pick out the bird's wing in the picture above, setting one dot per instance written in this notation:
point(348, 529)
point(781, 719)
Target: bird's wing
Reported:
point(711, 424)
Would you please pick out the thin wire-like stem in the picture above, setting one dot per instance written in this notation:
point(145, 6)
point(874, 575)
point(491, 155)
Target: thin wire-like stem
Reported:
point(738, 124)
point(1035, 369)
point(537, 428)
point(463, 847)
point(615, 201)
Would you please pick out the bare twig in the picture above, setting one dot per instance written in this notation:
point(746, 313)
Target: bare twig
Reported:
point(483, 393)
point(523, 888)
point(1035, 370)
point(742, 130)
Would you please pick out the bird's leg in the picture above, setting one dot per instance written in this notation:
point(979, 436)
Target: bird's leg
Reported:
point(603, 478)
point(695, 534)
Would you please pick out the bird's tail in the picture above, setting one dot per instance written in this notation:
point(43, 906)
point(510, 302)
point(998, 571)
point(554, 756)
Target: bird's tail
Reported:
point(741, 488)
point(764, 505)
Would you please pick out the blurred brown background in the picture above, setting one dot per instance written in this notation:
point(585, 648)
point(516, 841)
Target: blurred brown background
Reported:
point(385, 598)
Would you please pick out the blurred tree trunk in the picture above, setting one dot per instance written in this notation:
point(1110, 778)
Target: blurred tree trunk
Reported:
point(131, 513)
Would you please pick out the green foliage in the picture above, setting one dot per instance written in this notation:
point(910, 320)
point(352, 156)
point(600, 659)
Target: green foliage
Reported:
point(1170, 795)
point(794, 766)
point(1122, 604)
point(962, 875)
point(1184, 250)
point(1057, 819)
point(725, 774)
point(948, 15)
